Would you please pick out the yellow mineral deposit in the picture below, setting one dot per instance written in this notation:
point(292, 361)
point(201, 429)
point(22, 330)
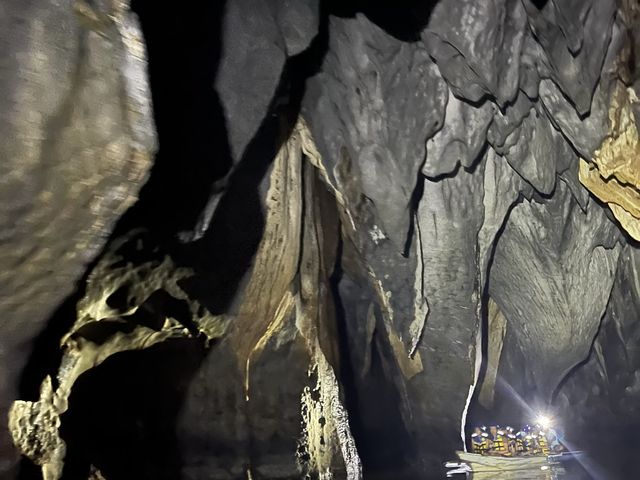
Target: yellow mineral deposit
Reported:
point(34, 425)
point(614, 175)
point(497, 324)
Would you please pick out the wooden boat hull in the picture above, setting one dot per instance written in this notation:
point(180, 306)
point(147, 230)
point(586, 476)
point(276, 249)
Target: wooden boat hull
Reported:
point(486, 463)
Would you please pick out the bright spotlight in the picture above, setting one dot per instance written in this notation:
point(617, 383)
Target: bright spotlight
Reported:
point(544, 421)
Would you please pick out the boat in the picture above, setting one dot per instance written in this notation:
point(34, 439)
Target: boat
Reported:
point(494, 464)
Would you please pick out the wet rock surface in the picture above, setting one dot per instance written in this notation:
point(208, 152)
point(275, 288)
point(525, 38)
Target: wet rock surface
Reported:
point(363, 221)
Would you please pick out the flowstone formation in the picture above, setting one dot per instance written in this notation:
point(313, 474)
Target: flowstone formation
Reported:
point(365, 225)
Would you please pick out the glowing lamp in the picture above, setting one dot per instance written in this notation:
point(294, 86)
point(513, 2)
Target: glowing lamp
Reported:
point(544, 421)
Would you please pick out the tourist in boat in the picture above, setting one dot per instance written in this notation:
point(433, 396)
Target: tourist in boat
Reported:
point(479, 441)
point(520, 450)
point(498, 441)
point(529, 442)
point(511, 440)
point(541, 446)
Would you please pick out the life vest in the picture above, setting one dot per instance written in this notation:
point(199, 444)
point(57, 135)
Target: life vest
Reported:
point(499, 444)
point(479, 443)
point(543, 446)
point(529, 444)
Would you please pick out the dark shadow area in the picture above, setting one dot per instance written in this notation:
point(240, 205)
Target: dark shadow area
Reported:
point(404, 19)
point(29, 470)
point(540, 4)
point(46, 353)
point(610, 450)
point(122, 414)
point(346, 373)
point(224, 254)
point(414, 202)
point(183, 49)
point(385, 446)
point(372, 399)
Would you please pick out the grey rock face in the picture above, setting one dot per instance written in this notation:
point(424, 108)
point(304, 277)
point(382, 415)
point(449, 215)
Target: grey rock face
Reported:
point(575, 37)
point(530, 58)
point(542, 278)
point(502, 188)
point(253, 54)
point(506, 121)
point(585, 132)
point(257, 38)
point(477, 46)
point(461, 138)
point(377, 100)
point(606, 389)
point(535, 149)
point(448, 232)
point(297, 22)
point(77, 137)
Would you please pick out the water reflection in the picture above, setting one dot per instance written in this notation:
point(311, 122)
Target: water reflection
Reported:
point(573, 471)
point(550, 474)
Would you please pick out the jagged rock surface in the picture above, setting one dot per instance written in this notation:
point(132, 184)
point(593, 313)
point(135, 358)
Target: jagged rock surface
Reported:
point(605, 390)
point(257, 38)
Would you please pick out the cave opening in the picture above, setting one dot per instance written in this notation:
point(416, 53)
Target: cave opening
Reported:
point(183, 50)
point(124, 425)
point(404, 20)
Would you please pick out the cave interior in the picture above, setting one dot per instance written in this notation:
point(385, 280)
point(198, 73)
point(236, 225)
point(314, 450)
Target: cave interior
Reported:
point(266, 239)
